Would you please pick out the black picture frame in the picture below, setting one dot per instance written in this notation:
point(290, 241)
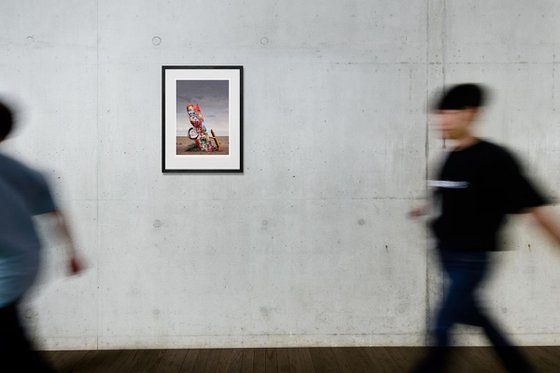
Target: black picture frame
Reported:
point(209, 152)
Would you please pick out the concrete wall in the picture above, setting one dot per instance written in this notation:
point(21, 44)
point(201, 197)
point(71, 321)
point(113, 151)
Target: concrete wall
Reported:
point(310, 246)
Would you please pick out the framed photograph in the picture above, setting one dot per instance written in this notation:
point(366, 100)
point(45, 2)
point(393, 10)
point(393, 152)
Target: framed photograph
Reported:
point(202, 124)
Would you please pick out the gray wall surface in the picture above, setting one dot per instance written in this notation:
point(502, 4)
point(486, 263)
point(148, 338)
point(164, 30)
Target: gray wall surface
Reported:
point(311, 244)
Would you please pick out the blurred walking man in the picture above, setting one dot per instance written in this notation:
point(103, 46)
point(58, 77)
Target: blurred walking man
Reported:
point(479, 183)
point(23, 194)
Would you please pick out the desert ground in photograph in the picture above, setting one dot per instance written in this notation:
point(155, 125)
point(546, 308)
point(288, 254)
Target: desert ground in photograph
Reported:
point(186, 146)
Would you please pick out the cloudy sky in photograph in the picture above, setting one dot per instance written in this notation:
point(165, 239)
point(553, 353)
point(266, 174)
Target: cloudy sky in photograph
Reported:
point(212, 96)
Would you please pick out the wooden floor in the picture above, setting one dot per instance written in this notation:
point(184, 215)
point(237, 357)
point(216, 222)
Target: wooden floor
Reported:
point(289, 360)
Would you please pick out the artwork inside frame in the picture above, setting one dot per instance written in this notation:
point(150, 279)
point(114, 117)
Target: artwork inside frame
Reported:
point(202, 118)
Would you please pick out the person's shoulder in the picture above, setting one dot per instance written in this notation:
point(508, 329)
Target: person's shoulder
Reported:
point(7, 161)
point(493, 148)
point(490, 145)
point(499, 157)
point(12, 168)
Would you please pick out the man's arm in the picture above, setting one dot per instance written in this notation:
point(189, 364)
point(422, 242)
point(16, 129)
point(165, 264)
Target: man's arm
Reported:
point(75, 265)
point(547, 221)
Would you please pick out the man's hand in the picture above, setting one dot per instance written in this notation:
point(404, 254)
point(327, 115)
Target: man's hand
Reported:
point(417, 212)
point(75, 265)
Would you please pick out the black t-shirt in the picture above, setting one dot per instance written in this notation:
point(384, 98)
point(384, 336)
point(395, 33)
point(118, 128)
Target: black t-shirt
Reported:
point(476, 187)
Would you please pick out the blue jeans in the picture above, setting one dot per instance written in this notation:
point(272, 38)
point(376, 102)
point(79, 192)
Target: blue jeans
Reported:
point(466, 271)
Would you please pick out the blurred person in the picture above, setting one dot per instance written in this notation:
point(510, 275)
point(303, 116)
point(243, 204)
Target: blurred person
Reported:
point(478, 184)
point(24, 193)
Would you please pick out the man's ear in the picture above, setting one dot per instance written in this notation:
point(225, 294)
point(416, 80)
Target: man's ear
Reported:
point(472, 113)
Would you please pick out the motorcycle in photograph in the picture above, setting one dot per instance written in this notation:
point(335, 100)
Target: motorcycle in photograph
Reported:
point(198, 131)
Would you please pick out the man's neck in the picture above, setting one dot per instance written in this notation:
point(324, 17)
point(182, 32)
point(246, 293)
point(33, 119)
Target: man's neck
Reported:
point(465, 142)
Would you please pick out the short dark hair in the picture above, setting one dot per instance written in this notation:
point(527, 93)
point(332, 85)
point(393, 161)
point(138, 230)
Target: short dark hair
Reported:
point(461, 96)
point(6, 120)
